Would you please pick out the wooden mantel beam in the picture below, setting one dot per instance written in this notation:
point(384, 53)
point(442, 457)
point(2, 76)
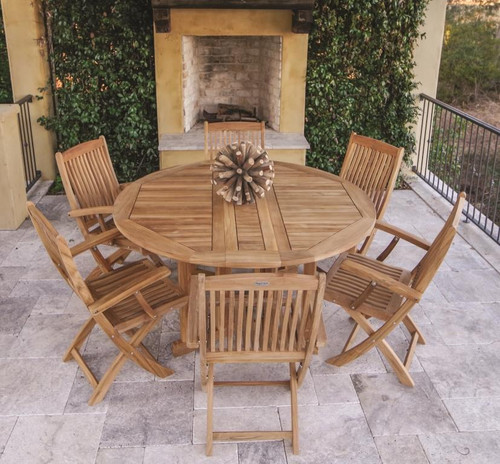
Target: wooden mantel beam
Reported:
point(241, 4)
point(301, 19)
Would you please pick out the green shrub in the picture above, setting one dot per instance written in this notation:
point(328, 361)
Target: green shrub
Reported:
point(360, 75)
point(105, 83)
point(470, 59)
point(5, 85)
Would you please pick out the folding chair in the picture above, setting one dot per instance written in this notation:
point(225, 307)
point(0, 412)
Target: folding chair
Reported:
point(91, 186)
point(255, 318)
point(373, 166)
point(366, 287)
point(220, 134)
point(126, 303)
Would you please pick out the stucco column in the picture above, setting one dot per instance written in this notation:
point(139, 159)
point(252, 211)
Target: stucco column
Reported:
point(29, 71)
point(427, 54)
point(12, 183)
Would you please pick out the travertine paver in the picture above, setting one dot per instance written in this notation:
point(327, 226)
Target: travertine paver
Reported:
point(55, 439)
point(398, 449)
point(355, 414)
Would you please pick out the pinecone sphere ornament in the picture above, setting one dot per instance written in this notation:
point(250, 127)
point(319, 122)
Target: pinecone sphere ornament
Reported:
point(242, 171)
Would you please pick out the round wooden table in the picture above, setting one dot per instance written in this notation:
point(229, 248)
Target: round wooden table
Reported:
point(308, 215)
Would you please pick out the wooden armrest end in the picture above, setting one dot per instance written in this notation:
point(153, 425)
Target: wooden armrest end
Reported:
point(397, 232)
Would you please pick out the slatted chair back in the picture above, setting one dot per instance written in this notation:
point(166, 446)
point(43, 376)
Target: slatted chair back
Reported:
point(60, 253)
point(426, 269)
point(373, 166)
point(220, 134)
point(88, 177)
point(252, 316)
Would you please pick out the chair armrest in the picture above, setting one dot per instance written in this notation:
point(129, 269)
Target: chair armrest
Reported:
point(94, 240)
point(124, 185)
point(381, 279)
point(397, 232)
point(123, 292)
point(91, 211)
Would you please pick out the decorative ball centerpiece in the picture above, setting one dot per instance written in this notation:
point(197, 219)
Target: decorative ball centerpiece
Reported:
point(243, 171)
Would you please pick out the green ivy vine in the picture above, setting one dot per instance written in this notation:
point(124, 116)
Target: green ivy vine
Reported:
point(103, 60)
point(5, 85)
point(360, 75)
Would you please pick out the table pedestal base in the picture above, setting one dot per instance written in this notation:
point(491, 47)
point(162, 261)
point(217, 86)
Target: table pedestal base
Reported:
point(179, 348)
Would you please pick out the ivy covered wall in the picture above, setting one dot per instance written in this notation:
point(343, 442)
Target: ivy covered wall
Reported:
point(359, 77)
point(5, 85)
point(105, 84)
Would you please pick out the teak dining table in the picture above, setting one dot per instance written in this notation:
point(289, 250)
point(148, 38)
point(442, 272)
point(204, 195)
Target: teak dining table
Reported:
point(308, 215)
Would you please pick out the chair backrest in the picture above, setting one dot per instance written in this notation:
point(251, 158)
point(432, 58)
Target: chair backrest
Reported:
point(88, 176)
point(373, 166)
point(425, 270)
point(220, 134)
point(258, 314)
point(59, 252)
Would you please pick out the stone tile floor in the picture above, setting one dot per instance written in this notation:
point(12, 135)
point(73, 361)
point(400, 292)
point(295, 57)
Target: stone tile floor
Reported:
point(359, 413)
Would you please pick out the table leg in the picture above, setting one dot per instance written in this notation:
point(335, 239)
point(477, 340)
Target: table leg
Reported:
point(184, 273)
point(310, 268)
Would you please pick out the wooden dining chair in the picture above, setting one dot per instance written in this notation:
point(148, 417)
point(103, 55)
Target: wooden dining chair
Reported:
point(366, 288)
point(126, 303)
point(255, 318)
point(220, 134)
point(373, 166)
point(91, 187)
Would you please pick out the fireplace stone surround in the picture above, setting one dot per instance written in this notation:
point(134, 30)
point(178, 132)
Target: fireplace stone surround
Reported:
point(260, 32)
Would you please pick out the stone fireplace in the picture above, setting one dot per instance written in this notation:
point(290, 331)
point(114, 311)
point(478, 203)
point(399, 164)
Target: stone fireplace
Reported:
point(252, 54)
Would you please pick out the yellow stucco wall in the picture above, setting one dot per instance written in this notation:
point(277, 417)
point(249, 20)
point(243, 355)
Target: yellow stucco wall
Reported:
point(29, 71)
point(12, 183)
point(427, 56)
point(168, 62)
point(427, 51)
point(175, 157)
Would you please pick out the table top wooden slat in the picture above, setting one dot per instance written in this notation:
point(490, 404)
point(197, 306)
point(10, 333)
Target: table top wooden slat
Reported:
point(307, 215)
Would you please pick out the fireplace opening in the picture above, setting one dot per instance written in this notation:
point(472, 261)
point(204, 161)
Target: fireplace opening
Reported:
point(228, 78)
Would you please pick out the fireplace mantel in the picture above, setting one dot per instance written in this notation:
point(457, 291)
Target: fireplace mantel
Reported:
point(240, 4)
point(301, 19)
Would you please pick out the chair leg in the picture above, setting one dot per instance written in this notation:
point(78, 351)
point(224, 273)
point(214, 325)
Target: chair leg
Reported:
point(155, 258)
point(210, 409)
point(351, 337)
point(412, 328)
point(102, 263)
point(107, 380)
point(294, 409)
point(79, 339)
point(142, 358)
point(153, 365)
point(399, 368)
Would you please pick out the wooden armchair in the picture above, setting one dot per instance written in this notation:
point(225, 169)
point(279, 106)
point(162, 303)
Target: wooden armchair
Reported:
point(91, 187)
point(220, 134)
point(125, 303)
point(373, 166)
point(256, 318)
point(366, 287)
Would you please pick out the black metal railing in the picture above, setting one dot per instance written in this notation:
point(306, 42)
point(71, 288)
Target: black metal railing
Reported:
point(31, 173)
point(457, 152)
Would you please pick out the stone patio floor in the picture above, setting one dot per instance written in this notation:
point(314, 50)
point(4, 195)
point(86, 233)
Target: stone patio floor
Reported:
point(359, 413)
